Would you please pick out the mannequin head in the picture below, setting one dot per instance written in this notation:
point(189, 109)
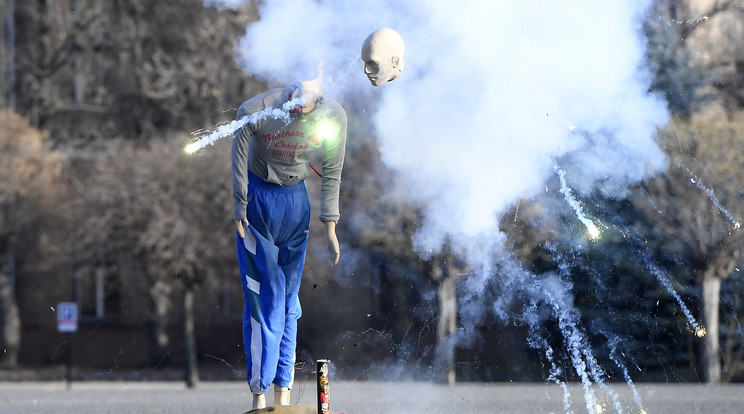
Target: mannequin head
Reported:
point(382, 53)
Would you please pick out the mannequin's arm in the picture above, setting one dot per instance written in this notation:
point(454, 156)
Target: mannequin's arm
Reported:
point(240, 226)
point(333, 248)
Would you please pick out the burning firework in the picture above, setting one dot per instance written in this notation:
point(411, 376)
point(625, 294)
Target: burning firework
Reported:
point(214, 134)
point(695, 180)
point(593, 232)
point(313, 89)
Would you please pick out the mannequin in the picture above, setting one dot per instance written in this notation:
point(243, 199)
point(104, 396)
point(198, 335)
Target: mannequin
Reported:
point(311, 90)
point(272, 218)
point(382, 53)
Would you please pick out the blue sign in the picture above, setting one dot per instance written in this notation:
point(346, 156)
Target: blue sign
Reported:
point(67, 317)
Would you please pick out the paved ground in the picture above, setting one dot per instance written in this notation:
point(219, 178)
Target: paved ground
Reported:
point(364, 398)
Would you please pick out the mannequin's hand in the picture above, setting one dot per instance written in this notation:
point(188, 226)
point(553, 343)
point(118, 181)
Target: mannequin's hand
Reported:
point(333, 248)
point(240, 226)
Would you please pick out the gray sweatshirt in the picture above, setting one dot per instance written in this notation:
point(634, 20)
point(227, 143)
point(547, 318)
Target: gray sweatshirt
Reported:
point(276, 146)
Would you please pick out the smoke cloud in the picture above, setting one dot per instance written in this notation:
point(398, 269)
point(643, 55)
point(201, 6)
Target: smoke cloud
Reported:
point(496, 99)
point(494, 95)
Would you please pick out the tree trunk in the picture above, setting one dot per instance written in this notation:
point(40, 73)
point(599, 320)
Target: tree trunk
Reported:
point(711, 368)
point(733, 352)
point(11, 323)
point(446, 328)
point(158, 323)
point(191, 369)
point(9, 314)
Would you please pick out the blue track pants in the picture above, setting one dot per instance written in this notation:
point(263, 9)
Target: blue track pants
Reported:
point(279, 220)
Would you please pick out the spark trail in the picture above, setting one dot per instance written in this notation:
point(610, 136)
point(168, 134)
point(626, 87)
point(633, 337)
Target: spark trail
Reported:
point(594, 234)
point(235, 371)
point(695, 180)
point(536, 341)
point(577, 343)
point(212, 135)
point(697, 328)
point(695, 21)
point(554, 292)
point(591, 228)
point(613, 344)
point(646, 257)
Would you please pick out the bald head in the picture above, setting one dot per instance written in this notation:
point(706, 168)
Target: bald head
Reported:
point(382, 53)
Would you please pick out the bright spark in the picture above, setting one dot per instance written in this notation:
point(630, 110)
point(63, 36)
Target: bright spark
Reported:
point(210, 136)
point(326, 129)
point(592, 230)
point(711, 195)
point(697, 328)
point(192, 148)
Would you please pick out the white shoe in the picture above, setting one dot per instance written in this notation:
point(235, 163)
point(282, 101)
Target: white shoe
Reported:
point(259, 401)
point(281, 395)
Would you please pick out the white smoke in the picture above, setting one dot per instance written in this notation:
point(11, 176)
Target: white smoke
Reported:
point(493, 95)
point(496, 99)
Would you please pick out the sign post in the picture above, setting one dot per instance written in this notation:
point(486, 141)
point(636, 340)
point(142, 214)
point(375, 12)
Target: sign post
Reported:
point(67, 322)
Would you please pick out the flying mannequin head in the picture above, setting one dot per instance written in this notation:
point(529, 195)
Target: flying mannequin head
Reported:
point(382, 53)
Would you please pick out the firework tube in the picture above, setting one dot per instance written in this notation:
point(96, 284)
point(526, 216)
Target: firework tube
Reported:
point(323, 389)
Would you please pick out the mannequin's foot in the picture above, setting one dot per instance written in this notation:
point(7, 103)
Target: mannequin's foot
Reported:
point(281, 395)
point(259, 401)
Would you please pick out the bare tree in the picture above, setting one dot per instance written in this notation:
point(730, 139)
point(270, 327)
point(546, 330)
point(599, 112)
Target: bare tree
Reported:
point(49, 36)
point(172, 216)
point(696, 206)
point(90, 70)
point(688, 201)
point(190, 235)
point(28, 178)
point(683, 36)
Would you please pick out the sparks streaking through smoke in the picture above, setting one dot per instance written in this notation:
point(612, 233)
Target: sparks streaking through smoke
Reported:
point(212, 135)
point(592, 230)
point(537, 341)
point(553, 291)
point(470, 130)
point(697, 328)
point(711, 195)
point(513, 124)
point(613, 342)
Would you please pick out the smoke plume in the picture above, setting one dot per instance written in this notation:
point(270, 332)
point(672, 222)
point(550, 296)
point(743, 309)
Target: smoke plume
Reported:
point(493, 95)
point(496, 99)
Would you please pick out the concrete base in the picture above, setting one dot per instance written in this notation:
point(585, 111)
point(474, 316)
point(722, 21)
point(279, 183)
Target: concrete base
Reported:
point(285, 409)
